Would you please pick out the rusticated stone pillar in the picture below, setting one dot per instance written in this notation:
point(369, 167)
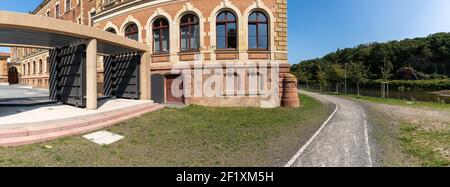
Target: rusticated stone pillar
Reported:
point(290, 94)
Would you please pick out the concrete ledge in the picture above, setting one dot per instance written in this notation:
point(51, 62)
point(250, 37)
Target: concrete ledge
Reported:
point(35, 134)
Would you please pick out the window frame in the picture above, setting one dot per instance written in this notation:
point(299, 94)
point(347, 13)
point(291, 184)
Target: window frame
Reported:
point(57, 10)
point(190, 24)
point(226, 22)
point(160, 29)
point(109, 29)
point(132, 33)
point(257, 23)
point(68, 2)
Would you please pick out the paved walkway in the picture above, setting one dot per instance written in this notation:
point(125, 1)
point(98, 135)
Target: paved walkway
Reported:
point(343, 142)
point(38, 115)
point(16, 91)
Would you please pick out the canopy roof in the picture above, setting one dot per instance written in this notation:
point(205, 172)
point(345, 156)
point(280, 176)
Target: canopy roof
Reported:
point(28, 30)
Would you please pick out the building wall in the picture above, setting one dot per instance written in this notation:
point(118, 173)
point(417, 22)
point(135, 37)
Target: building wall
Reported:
point(3, 67)
point(119, 13)
point(143, 14)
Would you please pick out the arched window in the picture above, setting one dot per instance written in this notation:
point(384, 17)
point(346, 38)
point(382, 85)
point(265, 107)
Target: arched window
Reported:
point(23, 69)
point(40, 66)
point(190, 33)
point(161, 35)
point(258, 31)
point(132, 32)
point(34, 67)
point(29, 69)
point(226, 31)
point(111, 30)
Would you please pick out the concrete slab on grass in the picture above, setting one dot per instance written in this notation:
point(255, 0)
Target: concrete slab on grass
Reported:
point(103, 137)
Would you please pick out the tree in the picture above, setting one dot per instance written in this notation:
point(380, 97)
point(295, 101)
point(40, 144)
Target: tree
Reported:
point(321, 77)
point(358, 74)
point(336, 75)
point(385, 71)
point(303, 75)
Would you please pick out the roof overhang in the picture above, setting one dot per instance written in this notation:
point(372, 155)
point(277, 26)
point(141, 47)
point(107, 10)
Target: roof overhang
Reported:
point(27, 30)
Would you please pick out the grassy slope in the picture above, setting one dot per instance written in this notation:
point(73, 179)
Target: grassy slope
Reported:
point(403, 143)
point(194, 136)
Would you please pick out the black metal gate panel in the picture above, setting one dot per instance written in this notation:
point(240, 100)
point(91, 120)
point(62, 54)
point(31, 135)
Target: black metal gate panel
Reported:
point(122, 76)
point(68, 74)
point(157, 88)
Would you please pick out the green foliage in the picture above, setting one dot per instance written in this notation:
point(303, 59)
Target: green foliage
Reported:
point(336, 73)
point(358, 73)
point(429, 56)
point(418, 85)
point(321, 78)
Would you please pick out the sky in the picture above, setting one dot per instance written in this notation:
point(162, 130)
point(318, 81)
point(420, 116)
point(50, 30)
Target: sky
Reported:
point(18, 6)
point(318, 27)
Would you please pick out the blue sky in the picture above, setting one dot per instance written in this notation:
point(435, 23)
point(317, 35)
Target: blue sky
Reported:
point(317, 27)
point(18, 6)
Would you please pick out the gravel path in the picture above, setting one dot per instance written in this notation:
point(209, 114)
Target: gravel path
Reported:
point(343, 142)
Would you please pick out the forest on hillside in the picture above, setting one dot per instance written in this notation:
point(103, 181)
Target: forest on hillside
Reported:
point(419, 60)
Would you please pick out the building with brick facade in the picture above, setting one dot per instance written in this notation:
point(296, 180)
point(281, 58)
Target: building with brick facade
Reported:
point(226, 32)
point(4, 57)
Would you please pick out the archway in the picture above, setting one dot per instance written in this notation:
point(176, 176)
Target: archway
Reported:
point(13, 75)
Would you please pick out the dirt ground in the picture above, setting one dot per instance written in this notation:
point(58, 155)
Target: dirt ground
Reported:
point(429, 120)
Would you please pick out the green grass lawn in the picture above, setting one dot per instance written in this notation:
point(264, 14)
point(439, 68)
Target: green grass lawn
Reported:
point(399, 102)
point(193, 136)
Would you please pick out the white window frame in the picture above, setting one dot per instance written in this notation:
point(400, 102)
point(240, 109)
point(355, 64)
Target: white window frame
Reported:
point(70, 5)
point(57, 13)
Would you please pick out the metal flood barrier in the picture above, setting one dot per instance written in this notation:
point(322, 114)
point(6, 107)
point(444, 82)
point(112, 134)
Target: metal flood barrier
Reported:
point(122, 75)
point(68, 74)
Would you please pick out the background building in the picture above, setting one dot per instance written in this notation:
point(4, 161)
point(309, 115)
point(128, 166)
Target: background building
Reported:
point(225, 31)
point(4, 57)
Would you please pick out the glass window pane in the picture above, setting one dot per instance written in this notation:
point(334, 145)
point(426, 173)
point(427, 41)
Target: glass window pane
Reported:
point(156, 41)
point(262, 17)
point(195, 35)
point(252, 42)
point(221, 42)
point(221, 17)
point(185, 19)
point(231, 28)
point(262, 29)
point(165, 22)
point(220, 30)
point(184, 38)
point(232, 42)
point(251, 30)
point(166, 40)
point(252, 17)
point(262, 42)
point(230, 17)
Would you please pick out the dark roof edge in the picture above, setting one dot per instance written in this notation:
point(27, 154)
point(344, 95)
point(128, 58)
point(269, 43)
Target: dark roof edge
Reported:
point(44, 2)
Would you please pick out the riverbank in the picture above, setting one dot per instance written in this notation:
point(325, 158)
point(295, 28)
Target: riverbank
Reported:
point(409, 134)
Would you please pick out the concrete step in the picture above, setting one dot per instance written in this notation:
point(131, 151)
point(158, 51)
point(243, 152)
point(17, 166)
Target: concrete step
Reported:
point(37, 134)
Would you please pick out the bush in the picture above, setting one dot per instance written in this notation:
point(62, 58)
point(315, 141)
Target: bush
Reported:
point(418, 85)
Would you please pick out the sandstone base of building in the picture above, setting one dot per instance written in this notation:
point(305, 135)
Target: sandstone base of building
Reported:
point(243, 101)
